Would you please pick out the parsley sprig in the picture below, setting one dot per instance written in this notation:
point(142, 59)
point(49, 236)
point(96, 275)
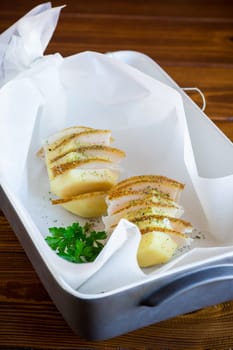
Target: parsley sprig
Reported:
point(76, 243)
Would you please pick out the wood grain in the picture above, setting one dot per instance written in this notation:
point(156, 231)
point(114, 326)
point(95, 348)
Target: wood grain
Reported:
point(193, 42)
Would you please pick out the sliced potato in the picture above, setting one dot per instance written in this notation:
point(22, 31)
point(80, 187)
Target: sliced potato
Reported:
point(78, 181)
point(155, 248)
point(81, 167)
point(87, 205)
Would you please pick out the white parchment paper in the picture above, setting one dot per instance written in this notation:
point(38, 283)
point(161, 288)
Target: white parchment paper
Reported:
point(159, 131)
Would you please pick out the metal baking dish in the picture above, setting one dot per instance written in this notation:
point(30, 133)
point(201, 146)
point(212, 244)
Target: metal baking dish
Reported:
point(106, 315)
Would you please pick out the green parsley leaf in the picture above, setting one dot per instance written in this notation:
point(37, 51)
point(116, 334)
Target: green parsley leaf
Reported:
point(76, 243)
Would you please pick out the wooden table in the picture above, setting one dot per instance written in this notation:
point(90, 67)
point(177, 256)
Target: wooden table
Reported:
point(193, 42)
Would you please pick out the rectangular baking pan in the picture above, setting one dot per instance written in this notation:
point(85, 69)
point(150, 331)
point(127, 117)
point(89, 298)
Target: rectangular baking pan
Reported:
point(103, 316)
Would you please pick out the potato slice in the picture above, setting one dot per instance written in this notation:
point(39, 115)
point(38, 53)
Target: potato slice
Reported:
point(78, 181)
point(87, 205)
point(155, 248)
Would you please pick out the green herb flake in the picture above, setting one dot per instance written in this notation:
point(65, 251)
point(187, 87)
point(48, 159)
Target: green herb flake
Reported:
point(76, 243)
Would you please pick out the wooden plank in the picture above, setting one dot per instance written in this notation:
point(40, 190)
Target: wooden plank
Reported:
point(187, 41)
point(172, 8)
point(192, 43)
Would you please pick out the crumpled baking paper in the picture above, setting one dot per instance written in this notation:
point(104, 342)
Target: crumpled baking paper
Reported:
point(25, 41)
point(160, 131)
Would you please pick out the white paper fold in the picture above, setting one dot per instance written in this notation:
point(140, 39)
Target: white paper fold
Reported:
point(159, 131)
point(25, 41)
point(210, 164)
